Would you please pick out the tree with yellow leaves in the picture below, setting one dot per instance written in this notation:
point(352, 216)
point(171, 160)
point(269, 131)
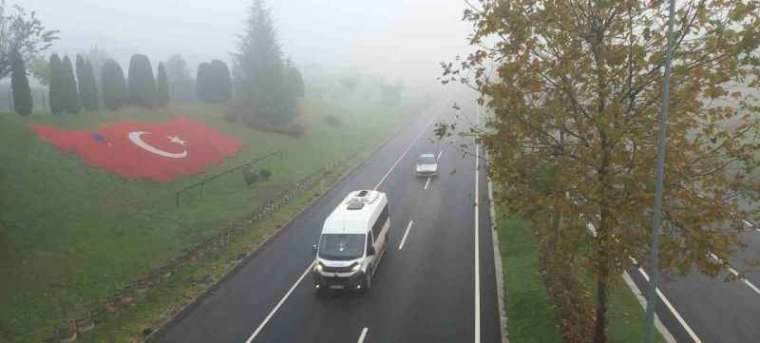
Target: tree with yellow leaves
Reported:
point(574, 96)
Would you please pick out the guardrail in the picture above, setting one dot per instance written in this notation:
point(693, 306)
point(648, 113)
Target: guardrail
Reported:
point(203, 182)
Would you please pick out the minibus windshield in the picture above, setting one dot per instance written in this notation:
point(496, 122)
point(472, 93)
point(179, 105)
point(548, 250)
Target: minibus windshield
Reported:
point(341, 246)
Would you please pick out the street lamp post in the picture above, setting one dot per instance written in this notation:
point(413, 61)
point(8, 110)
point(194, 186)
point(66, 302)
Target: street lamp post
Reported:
point(657, 218)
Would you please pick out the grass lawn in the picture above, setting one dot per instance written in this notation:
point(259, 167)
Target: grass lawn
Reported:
point(531, 316)
point(72, 236)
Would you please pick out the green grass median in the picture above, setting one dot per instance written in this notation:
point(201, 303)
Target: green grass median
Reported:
point(531, 316)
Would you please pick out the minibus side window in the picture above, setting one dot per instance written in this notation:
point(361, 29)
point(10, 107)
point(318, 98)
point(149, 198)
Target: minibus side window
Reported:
point(380, 222)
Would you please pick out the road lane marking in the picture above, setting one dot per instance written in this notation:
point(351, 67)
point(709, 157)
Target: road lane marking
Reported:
point(477, 245)
point(736, 273)
point(643, 301)
point(427, 183)
point(667, 303)
point(362, 336)
point(277, 307)
point(414, 141)
point(437, 158)
point(750, 225)
point(408, 227)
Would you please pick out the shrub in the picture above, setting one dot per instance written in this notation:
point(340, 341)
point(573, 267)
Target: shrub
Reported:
point(69, 86)
point(56, 96)
point(163, 86)
point(114, 85)
point(88, 91)
point(142, 84)
point(22, 94)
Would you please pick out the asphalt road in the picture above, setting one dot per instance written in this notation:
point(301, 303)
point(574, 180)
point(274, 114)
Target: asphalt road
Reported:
point(439, 288)
point(704, 309)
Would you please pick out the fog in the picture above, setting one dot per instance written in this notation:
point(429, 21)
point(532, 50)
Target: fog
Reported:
point(402, 40)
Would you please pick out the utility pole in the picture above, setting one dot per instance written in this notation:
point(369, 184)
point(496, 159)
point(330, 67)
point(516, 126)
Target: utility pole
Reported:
point(657, 217)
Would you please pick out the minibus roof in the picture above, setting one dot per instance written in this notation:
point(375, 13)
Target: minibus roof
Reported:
point(356, 213)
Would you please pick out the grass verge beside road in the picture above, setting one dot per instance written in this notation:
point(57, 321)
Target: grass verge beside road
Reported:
point(531, 316)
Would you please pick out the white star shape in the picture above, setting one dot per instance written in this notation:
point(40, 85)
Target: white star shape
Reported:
point(176, 139)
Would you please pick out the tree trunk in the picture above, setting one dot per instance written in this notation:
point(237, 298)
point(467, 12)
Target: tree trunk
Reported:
point(600, 335)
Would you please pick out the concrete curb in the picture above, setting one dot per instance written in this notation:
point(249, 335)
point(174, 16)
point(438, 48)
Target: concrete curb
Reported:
point(497, 265)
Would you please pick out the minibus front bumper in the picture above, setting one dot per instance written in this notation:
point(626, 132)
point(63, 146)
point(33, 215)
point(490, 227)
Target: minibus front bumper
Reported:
point(338, 281)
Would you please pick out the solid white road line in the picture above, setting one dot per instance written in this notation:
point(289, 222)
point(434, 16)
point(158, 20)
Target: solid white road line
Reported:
point(750, 225)
point(277, 307)
point(404, 154)
point(477, 245)
point(735, 273)
point(670, 307)
point(362, 336)
point(285, 297)
point(427, 183)
point(643, 301)
point(408, 227)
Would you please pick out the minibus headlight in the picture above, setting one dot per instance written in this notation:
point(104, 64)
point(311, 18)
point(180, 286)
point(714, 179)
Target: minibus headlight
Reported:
point(318, 267)
point(356, 268)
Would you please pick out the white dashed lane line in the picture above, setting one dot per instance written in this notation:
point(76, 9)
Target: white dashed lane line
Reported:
point(736, 273)
point(362, 336)
point(427, 183)
point(406, 233)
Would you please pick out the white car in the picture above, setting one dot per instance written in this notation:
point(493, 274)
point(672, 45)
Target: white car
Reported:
point(427, 165)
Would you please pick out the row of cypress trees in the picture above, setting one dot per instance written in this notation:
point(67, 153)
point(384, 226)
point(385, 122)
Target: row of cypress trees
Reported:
point(140, 89)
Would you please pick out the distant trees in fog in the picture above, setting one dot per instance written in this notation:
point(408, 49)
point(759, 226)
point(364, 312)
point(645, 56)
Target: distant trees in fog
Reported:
point(181, 83)
point(213, 83)
point(88, 91)
point(22, 94)
point(21, 34)
point(114, 85)
point(162, 98)
point(66, 81)
point(266, 88)
point(141, 82)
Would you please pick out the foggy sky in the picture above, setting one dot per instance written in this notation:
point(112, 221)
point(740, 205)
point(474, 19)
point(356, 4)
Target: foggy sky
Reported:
point(400, 39)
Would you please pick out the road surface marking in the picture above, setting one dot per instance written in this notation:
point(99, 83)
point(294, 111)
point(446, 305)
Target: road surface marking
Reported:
point(362, 336)
point(427, 183)
point(667, 303)
point(477, 247)
point(408, 227)
point(591, 228)
point(437, 158)
point(750, 225)
point(277, 307)
point(733, 271)
point(643, 301)
point(404, 154)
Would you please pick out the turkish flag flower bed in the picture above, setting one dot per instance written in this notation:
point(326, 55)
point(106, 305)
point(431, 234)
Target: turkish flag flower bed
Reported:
point(157, 151)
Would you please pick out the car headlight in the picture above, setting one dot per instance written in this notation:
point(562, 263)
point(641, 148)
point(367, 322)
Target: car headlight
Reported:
point(356, 268)
point(318, 267)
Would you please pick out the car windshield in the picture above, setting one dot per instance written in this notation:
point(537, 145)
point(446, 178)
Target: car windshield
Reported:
point(341, 246)
point(426, 159)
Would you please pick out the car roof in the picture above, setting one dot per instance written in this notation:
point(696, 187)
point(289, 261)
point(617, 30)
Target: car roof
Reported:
point(427, 155)
point(356, 213)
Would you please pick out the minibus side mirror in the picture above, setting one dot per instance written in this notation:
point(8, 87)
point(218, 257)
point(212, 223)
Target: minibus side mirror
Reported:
point(370, 251)
point(314, 248)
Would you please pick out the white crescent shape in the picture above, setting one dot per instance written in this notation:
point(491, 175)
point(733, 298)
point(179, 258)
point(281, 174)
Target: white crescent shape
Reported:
point(136, 138)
